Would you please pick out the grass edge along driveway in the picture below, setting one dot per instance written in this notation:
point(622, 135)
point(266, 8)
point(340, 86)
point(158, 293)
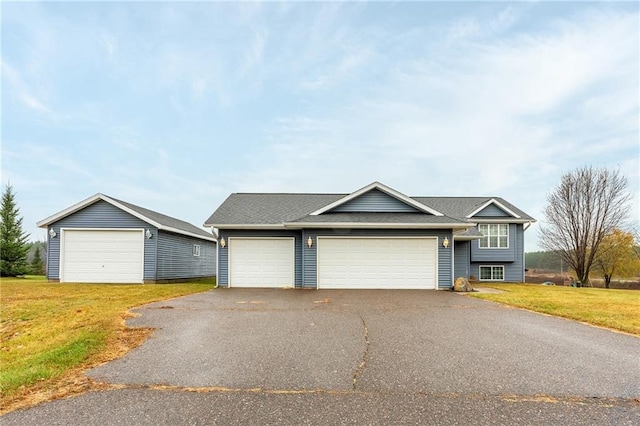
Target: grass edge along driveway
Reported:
point(50, 333)
point(614, 309)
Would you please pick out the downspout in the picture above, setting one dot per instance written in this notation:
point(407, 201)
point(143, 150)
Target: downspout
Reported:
point(217, 255)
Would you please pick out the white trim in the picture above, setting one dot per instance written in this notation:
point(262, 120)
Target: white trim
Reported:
point(293, 256)
point(378, 225)
point(387, 190)
point(496, 203)
point(495, 248)
point(344, 237)
point(93, 199)
point(505, 219)
point(247, 226)
point(490, 266)
point(62, 246)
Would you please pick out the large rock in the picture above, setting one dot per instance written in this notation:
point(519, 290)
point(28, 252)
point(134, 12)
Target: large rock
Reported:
point(462, 284)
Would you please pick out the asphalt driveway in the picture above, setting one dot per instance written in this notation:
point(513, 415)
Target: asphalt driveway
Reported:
point(297, 356)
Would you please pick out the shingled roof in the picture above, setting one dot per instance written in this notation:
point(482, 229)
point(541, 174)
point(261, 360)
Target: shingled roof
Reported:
point(158, 220)
point(289, 209)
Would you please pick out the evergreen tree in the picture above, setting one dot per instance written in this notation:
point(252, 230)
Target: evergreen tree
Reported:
point(37, 264)
point(13, 241)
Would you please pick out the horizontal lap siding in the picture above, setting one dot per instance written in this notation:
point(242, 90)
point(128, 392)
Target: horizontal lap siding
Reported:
point(513, 271)
point(498, 254)
point(374, 201)
point(223, 253)
point(492, 211)
point(176, 259)
point(100, 215)
point(461, 259)
point(310, 254)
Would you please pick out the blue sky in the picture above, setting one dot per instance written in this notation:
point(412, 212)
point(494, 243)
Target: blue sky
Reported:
point(173, 106)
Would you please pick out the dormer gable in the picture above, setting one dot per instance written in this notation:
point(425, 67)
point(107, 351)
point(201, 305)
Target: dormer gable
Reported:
point(377, 197)
point(493, 209)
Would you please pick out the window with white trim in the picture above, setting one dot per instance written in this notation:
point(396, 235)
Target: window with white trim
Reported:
point(492, 273)
point(495, 235)
point(196, 250)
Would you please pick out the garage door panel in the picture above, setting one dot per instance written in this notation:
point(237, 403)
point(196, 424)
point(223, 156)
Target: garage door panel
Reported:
point(261, 262)
point(110, 256)
point(377, 262)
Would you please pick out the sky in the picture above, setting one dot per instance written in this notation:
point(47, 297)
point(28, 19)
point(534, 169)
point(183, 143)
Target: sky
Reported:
point(173, 106)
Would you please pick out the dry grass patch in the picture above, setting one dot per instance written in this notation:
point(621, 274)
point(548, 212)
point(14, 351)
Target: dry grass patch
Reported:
point(615, 309)
point(50, 333)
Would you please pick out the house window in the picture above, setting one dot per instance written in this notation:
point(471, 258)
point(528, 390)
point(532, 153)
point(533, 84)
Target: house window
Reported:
point(492, 273)
point(196, 250)
point(494, 235)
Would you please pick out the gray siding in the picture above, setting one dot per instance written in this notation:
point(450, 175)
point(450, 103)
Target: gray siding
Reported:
point(501, 254)
point(223, 253)
point(514, 269)
point(444, 254)
point(462, 258)
point(374, 201)
point(100, 215)
point(492, 211)
point(176, 259)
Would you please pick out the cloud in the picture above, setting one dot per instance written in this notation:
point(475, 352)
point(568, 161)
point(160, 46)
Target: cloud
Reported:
point(23, 92)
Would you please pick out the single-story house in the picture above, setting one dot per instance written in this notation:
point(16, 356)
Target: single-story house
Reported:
point(375, 237)
point(105, 240)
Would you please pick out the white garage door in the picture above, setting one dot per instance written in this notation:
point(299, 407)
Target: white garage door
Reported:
point(261, 262)
point(102, 256)
point(402, 263)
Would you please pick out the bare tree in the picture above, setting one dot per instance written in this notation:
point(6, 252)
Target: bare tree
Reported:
point(588, 204)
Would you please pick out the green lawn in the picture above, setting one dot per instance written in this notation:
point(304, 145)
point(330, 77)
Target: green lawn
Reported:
point(51, 330)
point(615, 309)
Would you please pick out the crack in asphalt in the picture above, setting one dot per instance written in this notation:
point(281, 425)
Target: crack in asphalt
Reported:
point(365, 355)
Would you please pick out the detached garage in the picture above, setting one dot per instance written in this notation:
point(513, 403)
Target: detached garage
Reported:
point(105, 240)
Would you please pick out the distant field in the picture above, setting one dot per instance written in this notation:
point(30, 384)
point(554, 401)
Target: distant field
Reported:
point(615, 309)
point(51, 332)
point(539, 276)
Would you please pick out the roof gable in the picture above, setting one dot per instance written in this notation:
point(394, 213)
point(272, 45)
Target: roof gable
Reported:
point(493, 208)
point(374, 195)
point(374, 200)
point(157, 220)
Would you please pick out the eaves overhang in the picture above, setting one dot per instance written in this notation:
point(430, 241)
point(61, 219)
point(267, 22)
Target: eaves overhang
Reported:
point(381, 187)
point(246, 226)
point(377, 225)
point(97, 197)
point(477, 220)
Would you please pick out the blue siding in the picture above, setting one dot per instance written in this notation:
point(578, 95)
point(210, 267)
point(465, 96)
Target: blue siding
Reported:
point(514, 269)
point(462, 258)
point(176, 259)
point(492, 211)
point(444, 254)
point(374, 201)
point(223, 253)
point(501, 254)
point(100, 215)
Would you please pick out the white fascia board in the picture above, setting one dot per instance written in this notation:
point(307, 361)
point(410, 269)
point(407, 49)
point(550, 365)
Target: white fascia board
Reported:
point(154, 223)
point(466, 237)
point(69, 210)
point(479, 220)
point(190, 234)
point(497, 203)
point(389, 191)
point(378, 225)
point(247, 226)
point(136, 214)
